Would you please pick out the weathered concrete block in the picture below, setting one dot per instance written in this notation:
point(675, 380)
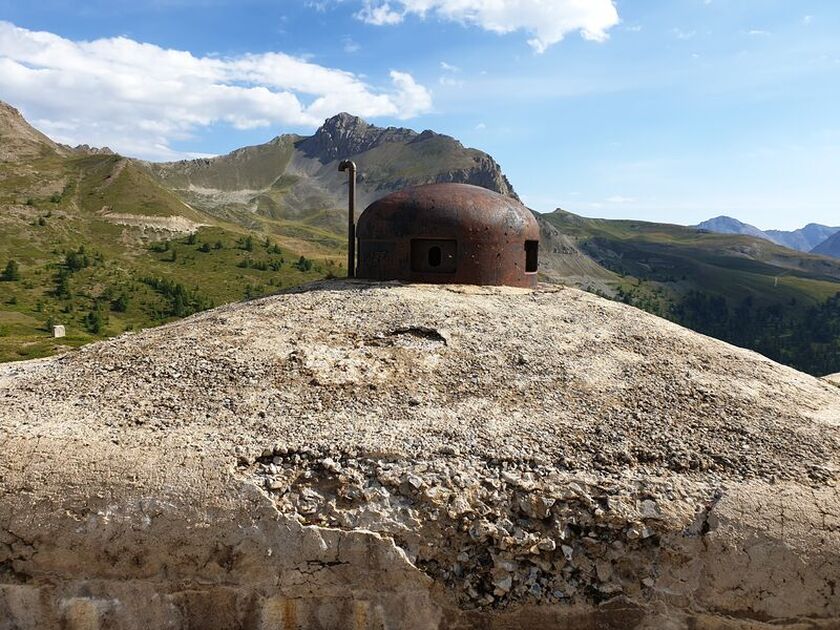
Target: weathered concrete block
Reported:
point(378, 456)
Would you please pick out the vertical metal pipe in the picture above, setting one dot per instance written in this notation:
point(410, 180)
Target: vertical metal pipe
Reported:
point(348, 165)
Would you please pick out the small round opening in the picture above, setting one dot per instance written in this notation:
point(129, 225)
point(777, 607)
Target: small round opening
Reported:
point(435, 257)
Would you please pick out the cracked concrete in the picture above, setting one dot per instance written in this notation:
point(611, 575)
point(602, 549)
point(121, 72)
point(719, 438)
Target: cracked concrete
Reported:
point(382, 456)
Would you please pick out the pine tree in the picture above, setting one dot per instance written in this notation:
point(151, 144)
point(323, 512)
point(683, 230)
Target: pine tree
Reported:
point(12, 271)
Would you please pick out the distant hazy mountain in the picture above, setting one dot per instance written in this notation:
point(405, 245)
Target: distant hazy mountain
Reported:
point(729, 225)
point(829, 247)
point(804, 239)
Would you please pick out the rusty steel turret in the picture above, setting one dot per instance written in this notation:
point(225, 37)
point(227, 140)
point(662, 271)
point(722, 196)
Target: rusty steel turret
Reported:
point(448, 233)
point(445, 234)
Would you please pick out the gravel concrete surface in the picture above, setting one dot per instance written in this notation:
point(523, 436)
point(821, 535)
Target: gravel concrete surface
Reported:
point(513, 455)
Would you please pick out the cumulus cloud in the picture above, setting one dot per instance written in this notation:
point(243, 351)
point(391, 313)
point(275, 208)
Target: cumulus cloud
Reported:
point(448, 78)
point(379, 14)
point(548, 21)
point(139, 98)
point(411, 98)
point(350, 45)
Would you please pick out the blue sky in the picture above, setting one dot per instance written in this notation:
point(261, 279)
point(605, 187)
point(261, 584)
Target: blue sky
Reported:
point(666, 111)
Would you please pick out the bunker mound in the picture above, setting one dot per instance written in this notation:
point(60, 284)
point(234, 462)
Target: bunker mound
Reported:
point(374, 455)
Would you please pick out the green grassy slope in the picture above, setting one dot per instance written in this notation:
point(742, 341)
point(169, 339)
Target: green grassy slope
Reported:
point(744, 290)
point(663, 252)
point(105, 213)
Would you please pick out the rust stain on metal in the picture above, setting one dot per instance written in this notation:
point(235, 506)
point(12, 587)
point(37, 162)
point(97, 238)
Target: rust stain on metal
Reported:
point(448, 233)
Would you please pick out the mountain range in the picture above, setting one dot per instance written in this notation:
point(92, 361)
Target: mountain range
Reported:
point(810, 238)
point(104, 243)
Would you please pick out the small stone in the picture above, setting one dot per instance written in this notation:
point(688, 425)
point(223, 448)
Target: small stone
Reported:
point(506, 525)
point(649, 509)
point(567, 552)
point(536, 506)
point(331, 465)
point(414, 481)
point(604, 570)
point(480, 530)
point(502, 580)
point(505, 564)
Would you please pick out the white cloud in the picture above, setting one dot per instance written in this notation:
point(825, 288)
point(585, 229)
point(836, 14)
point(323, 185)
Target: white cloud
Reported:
point(448, 79)
point(412, 99)
point(350, 45)
point(807, 20)
point(379, 14)
point(138, 98)
point(620, 199)
point(549, 21)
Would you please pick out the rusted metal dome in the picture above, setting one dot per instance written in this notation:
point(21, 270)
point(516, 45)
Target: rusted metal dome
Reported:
point(448, 233)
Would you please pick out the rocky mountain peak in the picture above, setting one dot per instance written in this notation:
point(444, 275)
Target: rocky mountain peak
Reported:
point(7, 113)
point(343, 123)
point(89, 150)
point(345, 135)
point(729, 225)
point(19, 139)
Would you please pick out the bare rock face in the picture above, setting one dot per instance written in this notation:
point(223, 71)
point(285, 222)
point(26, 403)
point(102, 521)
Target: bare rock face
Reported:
point(20, 141)
point(345, 134)
point(376, 455)
point(833, 378)
point(89, 150)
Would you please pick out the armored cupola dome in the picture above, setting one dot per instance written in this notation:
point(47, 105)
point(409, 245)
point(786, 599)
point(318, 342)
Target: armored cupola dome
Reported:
point(448, 233)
